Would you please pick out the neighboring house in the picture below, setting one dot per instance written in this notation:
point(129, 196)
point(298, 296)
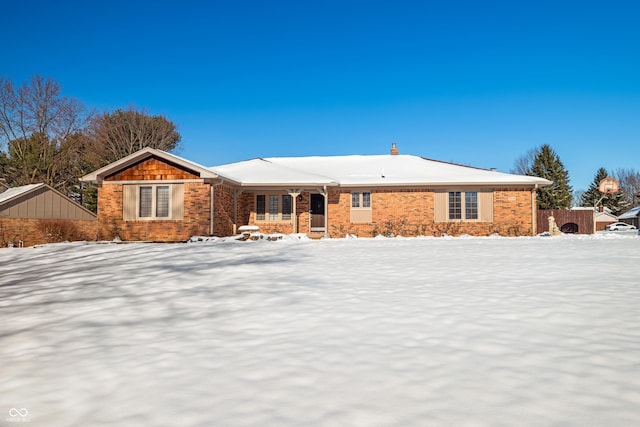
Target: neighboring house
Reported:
point(36, 213)
point(157, 196)
point(631, 216)
point(604, 217)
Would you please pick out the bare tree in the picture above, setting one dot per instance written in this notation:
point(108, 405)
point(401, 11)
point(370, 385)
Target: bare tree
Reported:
point(38, 132)
point(524, 164)
point(123, 132)
point(629, 184)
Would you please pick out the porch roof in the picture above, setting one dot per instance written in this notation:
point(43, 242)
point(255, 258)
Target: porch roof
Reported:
point(263, 172)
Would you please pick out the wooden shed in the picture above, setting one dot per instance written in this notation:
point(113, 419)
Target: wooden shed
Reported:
point(37, 213)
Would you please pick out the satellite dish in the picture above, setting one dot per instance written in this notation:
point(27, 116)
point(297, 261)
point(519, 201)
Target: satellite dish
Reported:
point(609, 186)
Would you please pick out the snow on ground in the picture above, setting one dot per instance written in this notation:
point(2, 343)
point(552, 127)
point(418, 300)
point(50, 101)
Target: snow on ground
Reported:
point(361, 332)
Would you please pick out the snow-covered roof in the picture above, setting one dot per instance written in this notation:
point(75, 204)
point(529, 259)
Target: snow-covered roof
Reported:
point(632, 213)
point(350, 171)
point(605, 217)
point(261, 172)
point(361, 170)
point(14, 192)
point(591, 208)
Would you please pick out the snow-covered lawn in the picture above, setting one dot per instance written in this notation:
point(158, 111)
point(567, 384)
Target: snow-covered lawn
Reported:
point(363, 332)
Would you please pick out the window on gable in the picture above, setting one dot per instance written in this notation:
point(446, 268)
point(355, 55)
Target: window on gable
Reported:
point(162, 201)
point(152, 201)
point(146, 202)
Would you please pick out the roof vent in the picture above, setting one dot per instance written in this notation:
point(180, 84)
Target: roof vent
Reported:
point(394, 149)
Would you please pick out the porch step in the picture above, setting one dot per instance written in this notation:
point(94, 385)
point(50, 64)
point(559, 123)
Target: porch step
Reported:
point(315, 235)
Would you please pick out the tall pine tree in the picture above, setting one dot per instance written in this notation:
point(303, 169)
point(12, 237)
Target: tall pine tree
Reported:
point(616, 201)
point(547, 165)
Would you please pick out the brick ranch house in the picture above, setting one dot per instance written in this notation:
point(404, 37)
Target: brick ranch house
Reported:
point(156, 196)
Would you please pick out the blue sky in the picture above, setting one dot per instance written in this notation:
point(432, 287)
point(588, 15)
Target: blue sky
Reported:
point(476, 83)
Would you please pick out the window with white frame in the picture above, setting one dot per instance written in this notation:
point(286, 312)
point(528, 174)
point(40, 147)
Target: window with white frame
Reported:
point(458, 205)
point(361, 206)
point(463, 205)
point(361, 200)
point(273, 207)
point(153, 201)
point(286, 207)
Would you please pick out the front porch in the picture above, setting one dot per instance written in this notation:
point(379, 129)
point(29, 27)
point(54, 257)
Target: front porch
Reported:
point(283, 211)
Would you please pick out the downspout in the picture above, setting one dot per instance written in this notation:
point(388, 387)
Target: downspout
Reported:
point(236, 192)
point(235, 211)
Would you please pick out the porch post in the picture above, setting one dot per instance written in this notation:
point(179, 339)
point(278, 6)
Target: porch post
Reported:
point(294, 193)
point(326, 211)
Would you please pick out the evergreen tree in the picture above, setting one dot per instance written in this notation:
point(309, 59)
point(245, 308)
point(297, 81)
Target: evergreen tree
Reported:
point(616, 201)
point(547, 165)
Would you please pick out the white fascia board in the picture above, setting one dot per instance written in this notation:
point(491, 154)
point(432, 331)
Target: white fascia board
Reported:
point(98, 175)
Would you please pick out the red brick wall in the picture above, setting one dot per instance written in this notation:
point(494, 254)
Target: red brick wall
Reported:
point(223, 211)
point(151, 168)
point(407, 212)
point(39, 231)
point(410, 212)
point(512, 212)
point(197, 208)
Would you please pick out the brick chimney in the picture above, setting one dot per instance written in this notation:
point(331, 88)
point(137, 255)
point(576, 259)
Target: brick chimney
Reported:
point(394, 149)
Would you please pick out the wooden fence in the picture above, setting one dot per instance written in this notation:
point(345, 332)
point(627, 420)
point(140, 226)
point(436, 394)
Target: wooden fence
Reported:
point(568, 221)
